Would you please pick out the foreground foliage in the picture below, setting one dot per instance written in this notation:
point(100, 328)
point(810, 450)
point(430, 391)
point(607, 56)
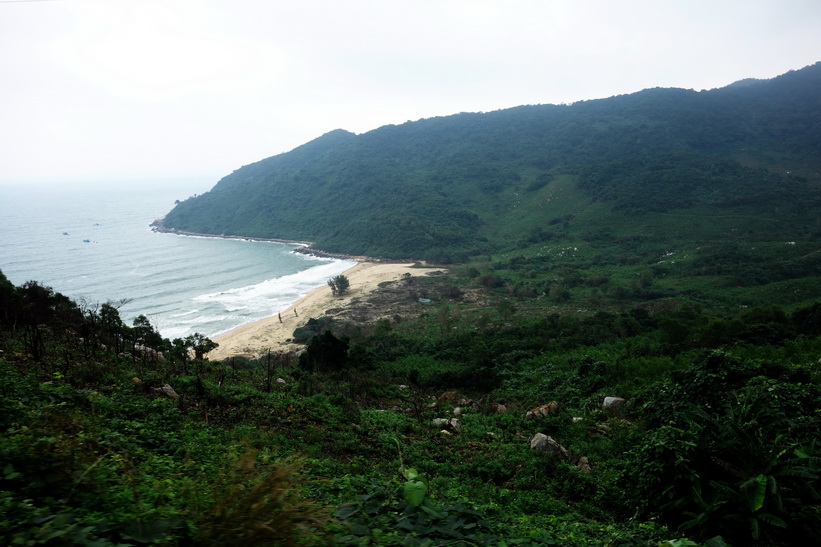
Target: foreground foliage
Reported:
point(413, 432)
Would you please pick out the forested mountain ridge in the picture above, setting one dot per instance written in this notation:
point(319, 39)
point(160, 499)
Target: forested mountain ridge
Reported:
point(461, 185)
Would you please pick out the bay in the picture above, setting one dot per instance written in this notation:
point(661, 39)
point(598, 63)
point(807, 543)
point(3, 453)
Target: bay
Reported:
point(94, 244)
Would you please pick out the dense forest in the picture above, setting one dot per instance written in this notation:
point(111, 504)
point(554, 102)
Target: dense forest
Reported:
point(612, 338)
point(743, 159)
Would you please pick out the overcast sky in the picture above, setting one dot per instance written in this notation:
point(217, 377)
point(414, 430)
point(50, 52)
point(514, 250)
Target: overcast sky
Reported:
point(164, 89)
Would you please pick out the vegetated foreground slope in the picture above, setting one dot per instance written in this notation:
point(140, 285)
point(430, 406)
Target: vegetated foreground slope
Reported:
point(480, 421)
point(743, 159)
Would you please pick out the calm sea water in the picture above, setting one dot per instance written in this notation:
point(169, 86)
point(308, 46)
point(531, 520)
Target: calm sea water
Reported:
point(95, 245)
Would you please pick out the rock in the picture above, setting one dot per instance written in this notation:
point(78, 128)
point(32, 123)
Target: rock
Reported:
point(166, 390)
point(548, 444)
point(598, 429)
point(583, 465)
point(457, 411)
point(500, 408)
point(449, 397)
point(144, 352)
point(614, 405)
point(542, 411)
point(281, 381)
point(451, 423)
point(136, 380)
point(577, 419)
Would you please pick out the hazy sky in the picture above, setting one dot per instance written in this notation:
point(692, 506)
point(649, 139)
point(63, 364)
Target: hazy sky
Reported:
point(163, 89)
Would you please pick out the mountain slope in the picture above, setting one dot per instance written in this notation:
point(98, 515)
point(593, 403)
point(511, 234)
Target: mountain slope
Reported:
point(469, 183)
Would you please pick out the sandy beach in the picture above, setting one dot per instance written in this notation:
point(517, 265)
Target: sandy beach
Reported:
point(271, 333)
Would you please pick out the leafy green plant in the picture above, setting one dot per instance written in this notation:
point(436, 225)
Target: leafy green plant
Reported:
point(735, 463)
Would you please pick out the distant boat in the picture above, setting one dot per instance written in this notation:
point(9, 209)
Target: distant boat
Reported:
point(65, 233)
point(86, 241)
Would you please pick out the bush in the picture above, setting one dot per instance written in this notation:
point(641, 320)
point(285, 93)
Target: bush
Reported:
point(257, 504)
point(428, 372)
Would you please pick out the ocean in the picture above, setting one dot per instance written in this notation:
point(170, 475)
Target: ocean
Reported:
point(93, 243)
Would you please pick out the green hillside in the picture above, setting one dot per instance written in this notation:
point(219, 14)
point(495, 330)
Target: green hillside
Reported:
point(479, 419)
point(627, 356)
point(668, 165)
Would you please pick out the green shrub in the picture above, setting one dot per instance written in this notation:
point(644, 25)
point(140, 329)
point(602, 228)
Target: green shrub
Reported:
point(258, 504)
point(428, 372)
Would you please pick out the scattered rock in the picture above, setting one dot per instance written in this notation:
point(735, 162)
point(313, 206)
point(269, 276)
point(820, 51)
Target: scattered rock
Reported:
point(166, 390)
point(144, 352)
point(448, 397)
point(136, 380)
point(542, 411)
point(281, 381)
point(598, 429)
point(614, 405)
point(548, 444)
point(583, 465)
point(613, 423)
point(451, 423)
point(500, 408)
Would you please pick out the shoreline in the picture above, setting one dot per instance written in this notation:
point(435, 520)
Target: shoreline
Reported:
point(275, 332)
point(303, 247)
point(157, 226)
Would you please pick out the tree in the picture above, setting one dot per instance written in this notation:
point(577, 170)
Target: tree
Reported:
point(325, 353)
point(8, 301)
point(339, 284)
point(145, 333)
point(200, 345)
point(342, 284)
point(112, 329)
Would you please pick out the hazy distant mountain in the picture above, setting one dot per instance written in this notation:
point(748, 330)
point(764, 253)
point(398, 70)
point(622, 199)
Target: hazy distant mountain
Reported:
point(659, 164)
